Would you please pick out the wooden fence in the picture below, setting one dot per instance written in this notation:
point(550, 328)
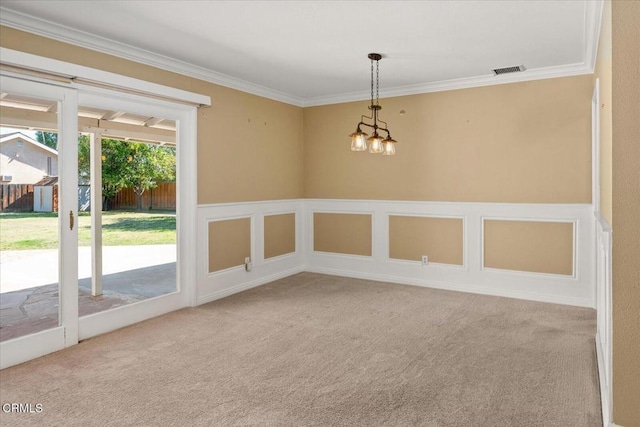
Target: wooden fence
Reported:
point(19, 198)
point(163, 197)
point(16, 197)
point(54, 202)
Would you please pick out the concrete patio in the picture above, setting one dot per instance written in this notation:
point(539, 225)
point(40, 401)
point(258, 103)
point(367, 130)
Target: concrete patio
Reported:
point(29, 290)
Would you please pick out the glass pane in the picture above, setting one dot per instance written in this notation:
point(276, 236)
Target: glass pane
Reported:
point(29, 230)
point(138, 217)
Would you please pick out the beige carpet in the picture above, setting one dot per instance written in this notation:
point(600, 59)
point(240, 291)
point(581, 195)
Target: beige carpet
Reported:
point(316, 350)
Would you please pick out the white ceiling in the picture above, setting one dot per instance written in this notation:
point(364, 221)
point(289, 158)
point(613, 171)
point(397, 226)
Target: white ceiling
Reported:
point(315, 52)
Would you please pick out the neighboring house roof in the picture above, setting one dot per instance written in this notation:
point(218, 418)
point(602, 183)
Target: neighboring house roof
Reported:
point(48, 181)
point(19, 135)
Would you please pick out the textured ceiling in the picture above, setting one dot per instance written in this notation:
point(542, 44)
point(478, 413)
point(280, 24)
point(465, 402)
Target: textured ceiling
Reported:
point(312, 52)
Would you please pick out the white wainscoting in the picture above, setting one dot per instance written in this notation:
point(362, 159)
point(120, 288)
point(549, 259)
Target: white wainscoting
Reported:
point(604, 332)
point(219, 284)
point(577, 289)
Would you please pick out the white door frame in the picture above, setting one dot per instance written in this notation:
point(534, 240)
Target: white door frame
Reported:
point(185, 117)
point(184, 111)
point(28, 347)
point(595, 147)
point(602, 270)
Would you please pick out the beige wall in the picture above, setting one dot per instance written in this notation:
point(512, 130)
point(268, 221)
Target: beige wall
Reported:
point(279, 235)
point(519, 142)
point(541, 247)
point(626, 211)
point(261, 135)
point(441, 239)
point(342, 233)
point(603, 73)
point(229, 243)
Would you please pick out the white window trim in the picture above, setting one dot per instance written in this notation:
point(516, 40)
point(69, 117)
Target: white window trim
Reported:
point(90, 84)
point(78, 73)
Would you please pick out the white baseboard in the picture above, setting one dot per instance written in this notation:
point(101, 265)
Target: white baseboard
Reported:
point(604, 385)
point(457, 287)
point(248, 285)
point(482, 290)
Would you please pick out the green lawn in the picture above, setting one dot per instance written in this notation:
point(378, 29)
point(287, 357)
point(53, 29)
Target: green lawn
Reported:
point(35, 230)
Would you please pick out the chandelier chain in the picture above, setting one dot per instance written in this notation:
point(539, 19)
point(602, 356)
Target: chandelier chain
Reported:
point(372, 82)
point(377, 82)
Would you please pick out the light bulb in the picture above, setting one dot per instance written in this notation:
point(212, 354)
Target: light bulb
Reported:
point(389, 147)
point(375, 144)
point(358, 141)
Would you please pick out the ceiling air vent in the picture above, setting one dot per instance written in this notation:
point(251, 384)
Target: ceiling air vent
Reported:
point(505, 70)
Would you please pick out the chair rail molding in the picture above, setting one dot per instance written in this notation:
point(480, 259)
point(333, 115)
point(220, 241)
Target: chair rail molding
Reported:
point(576, 289)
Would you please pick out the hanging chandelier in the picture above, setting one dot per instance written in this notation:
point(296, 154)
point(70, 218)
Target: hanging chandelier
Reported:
point(375, 142)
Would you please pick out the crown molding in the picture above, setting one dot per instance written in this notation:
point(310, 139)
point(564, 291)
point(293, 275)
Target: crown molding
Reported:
point(592, 24)
point(20, 21)
point(465, 83)
point(83, 39)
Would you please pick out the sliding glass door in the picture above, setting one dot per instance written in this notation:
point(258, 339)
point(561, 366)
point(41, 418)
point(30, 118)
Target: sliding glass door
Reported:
point(38, 222)
point(130, 258)
point(127, 165)
point(108, 237)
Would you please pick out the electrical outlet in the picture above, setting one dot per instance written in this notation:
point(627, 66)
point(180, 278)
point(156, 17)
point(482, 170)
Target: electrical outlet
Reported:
point(247, 264)
point(425, 260)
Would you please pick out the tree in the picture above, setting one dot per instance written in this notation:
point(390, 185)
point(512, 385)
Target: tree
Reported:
point(48, 138)
point(84, 160)
point(146, 165)
point(134, 165)
point(125, 164)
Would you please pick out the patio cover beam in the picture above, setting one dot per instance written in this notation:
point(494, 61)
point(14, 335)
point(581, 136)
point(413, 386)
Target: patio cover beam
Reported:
point(95, 147)
point(111, 115)
point(45, 121)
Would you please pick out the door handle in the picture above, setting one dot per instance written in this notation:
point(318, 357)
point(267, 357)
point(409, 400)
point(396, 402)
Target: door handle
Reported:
point(70, 220)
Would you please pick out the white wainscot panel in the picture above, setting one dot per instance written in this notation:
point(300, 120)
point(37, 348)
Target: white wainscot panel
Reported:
point(470, 277)
point(578, 289)
point(216, 285)
point(604, 331)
